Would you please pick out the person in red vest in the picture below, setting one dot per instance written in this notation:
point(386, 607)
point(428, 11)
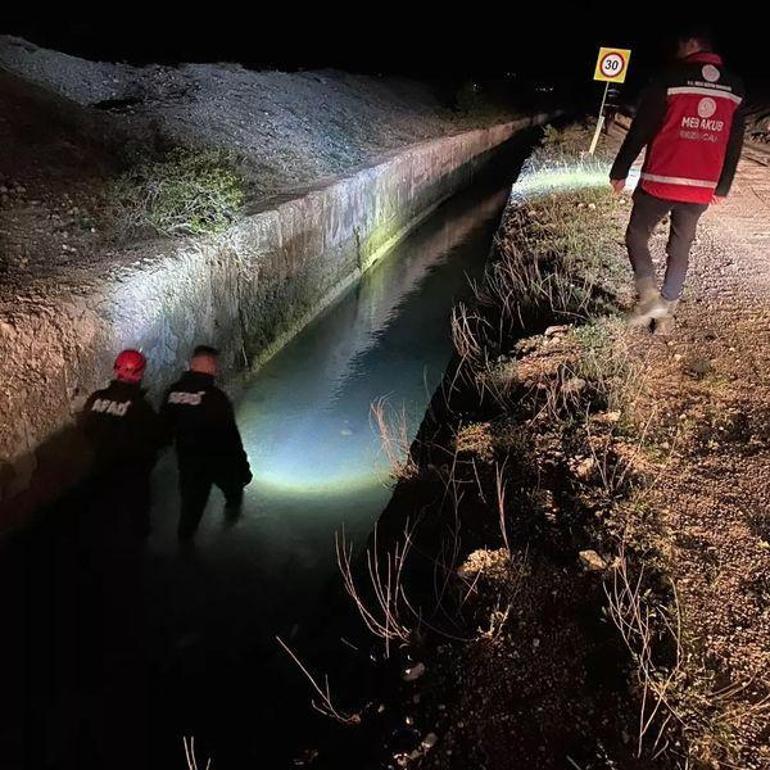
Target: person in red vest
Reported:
point(691, 122)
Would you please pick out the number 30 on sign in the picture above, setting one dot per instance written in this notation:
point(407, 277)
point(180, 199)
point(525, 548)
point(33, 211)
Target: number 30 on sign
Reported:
point(612, 65)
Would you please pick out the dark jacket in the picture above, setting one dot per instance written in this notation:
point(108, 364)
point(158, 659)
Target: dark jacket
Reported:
point(121, 426)
point(691, 119)
point(200, 418)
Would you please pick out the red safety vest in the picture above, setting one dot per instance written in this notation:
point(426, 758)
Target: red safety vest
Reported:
point(685, 158)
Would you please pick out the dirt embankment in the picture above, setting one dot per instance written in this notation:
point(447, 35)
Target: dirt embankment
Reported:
point(160, 207)
point(69, 127)
point(592, 501)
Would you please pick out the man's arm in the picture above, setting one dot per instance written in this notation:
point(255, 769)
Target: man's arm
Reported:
point(647, 123)
point(733, 154)
point(231, 436)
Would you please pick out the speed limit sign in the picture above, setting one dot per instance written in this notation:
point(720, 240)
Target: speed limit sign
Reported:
point(612, 65)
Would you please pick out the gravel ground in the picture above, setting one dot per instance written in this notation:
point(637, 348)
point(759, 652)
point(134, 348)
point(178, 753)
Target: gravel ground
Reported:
point(758, 125)
point(69, 125)
point(290, 128)
point(713, 377)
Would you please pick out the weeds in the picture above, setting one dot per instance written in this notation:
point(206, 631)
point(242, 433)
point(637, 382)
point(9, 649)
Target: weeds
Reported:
point(568, 143)
point(558, 253)
point(573, 397)
point(616, 375)
point(672, 688)
point(639, 618)
point(477, 439)
point(383, 616)
point(190, 755)
point(393, 429)
point(325, 705)
point(187, 192)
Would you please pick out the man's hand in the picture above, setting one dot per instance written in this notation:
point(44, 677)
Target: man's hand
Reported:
point(717, 199)
point(618, 185)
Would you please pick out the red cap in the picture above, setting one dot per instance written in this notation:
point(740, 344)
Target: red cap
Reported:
point(130, 366)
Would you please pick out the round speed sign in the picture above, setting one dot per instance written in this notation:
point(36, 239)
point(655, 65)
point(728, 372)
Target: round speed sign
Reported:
point(612, 65)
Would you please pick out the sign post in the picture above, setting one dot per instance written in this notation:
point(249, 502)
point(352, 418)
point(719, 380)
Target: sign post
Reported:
point(611, 67)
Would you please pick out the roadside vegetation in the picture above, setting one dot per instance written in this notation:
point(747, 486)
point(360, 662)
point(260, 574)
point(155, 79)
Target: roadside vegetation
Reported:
point(186, 192)
point(562, 627)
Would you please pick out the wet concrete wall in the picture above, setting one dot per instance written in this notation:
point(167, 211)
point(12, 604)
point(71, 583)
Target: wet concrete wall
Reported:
point(246, 292)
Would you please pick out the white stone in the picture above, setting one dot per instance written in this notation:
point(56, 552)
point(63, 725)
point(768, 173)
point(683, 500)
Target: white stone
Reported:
point(592, 561)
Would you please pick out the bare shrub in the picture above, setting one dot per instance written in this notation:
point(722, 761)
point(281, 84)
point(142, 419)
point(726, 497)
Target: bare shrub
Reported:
point(393, 429)
point(325, 705)
point(187, 192)
point(190, 755)
point(383, 616)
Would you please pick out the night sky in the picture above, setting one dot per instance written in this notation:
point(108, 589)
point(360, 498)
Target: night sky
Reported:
point(548, 40)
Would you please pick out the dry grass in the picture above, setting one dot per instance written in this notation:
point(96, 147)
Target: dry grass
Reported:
point(325, 704)
point(596, 441)
point(385, 615)
point(646, 625)
point(477, 439)
point(393, 428)
point(190, 756)
point(591, 383)
point(558, 254)
point(502, 517)
point(674, 687)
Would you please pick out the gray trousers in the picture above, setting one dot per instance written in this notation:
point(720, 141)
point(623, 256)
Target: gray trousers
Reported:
point(648, 211)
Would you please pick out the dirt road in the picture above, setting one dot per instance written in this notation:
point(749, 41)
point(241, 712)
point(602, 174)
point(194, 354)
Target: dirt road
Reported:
point(713, 379)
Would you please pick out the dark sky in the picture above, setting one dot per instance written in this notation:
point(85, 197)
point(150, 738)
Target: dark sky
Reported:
point(555, 40)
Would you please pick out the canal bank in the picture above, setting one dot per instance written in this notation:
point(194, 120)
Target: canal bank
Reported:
point(156, 643)
point(247, 292)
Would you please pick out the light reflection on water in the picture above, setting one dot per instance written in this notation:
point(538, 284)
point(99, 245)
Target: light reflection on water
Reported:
point(305, 418)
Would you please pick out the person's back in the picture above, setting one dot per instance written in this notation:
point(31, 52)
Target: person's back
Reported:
point(691, 122)
point(687, 119)
point(125, 436)
point(120, 425)
point(200, 418)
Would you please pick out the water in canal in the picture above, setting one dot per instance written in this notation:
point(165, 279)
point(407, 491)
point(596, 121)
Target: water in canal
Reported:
point(113, 652)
